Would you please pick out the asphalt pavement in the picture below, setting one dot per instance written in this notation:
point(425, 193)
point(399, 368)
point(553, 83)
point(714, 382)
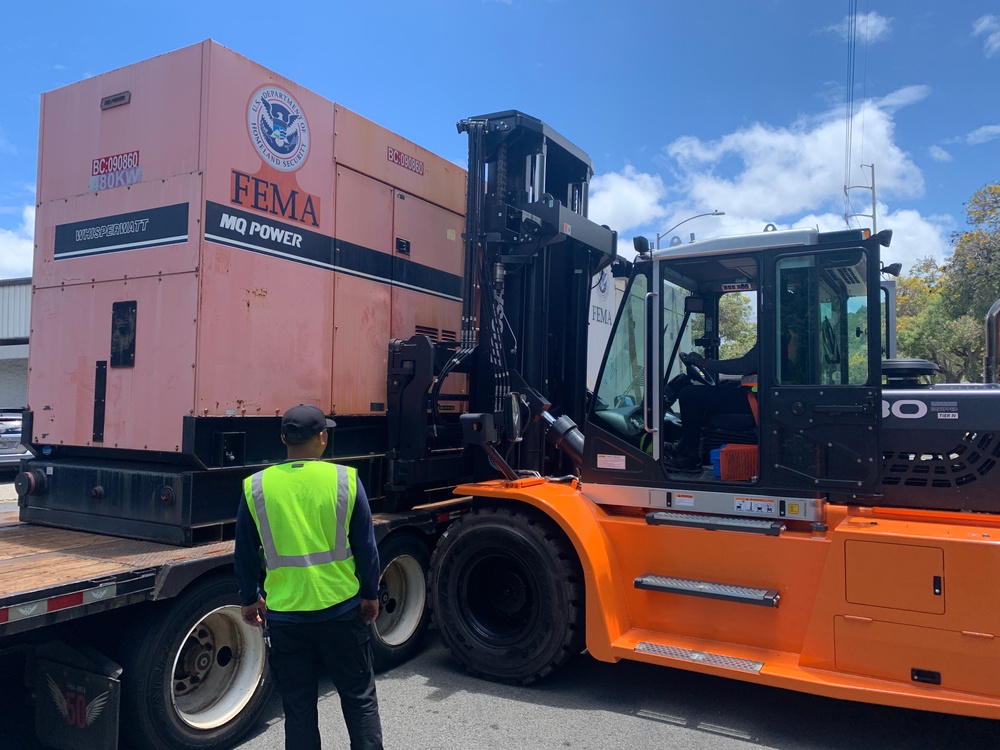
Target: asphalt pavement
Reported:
point(429, 703)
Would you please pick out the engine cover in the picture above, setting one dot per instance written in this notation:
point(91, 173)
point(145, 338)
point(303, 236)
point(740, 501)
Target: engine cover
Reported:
point(941, 447)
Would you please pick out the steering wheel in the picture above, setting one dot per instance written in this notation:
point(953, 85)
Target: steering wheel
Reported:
point(673, 387)
point(634, 420)
point(696, 372)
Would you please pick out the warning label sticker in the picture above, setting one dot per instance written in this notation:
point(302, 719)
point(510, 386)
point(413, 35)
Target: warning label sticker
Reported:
point(610, 461)
point(756, 505)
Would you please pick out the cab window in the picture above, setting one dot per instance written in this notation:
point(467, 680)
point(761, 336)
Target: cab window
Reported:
point(822, 319)
point(621, 390)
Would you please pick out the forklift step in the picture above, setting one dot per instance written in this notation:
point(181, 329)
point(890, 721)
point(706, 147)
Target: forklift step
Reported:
point(716, 523)
point(709, 590)
point(702, 657)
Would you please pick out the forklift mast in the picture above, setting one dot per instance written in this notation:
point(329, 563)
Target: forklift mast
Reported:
point(531, 256)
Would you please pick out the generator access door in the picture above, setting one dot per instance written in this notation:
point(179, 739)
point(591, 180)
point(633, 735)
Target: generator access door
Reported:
point(821, 375)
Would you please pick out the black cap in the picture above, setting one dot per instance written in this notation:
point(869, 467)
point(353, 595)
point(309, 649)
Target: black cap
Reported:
point(302, 423)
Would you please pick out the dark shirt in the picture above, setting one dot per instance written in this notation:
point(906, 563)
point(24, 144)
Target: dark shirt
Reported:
point(360, 534)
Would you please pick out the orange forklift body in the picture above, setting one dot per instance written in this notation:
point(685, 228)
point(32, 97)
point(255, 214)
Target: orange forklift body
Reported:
point(854, 603)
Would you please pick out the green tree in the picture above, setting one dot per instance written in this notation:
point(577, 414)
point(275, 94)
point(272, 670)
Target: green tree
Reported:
point(914, 292)
point(737, 324)
point(983, 208)
point(971, 282)
point(953, 344)
point(917, 301)
point(941, 310)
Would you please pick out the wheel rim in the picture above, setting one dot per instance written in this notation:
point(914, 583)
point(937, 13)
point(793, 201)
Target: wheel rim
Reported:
point(500, 596)
point(402, 597)
point(217, 669)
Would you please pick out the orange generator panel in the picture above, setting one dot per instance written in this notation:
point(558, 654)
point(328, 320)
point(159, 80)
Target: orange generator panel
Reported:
point(215, 243)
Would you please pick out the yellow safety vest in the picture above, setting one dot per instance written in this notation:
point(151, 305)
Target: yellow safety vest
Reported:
point(302, 510)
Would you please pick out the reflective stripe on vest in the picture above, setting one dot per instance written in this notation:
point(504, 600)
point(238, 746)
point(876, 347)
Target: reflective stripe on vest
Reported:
point(341, 550)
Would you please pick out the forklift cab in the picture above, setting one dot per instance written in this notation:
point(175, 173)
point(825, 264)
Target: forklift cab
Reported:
point(810, 301)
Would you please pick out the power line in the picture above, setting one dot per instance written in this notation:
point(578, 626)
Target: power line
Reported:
point(864, 78)
point(852, 26)
point(852, 37)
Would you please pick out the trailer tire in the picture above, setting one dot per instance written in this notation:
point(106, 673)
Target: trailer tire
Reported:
point(399, 631)
point(173, 698)
point(507, 594)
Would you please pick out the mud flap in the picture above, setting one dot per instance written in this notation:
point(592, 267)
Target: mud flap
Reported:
point(77, 695)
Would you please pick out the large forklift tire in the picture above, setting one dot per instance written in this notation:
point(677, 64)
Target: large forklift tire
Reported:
point(403, 615)
point(507, 594)
point(194, 674)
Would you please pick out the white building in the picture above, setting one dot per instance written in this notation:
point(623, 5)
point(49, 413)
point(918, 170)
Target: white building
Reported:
point(15, 317)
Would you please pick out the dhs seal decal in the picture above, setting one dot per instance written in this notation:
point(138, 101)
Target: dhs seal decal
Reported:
point(278, 128)
point(602, 283)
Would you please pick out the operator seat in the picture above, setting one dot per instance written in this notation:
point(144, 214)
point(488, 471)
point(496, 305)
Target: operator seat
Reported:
point(721, 429)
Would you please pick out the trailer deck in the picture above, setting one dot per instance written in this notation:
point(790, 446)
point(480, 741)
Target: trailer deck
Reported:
point(60, 574)
point(50, 575)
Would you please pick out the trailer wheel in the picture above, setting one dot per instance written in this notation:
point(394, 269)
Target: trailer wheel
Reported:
point(195, 675)
point(402, 592)
point(507, 594)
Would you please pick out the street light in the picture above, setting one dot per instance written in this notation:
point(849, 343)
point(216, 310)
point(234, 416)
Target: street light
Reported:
point(664, 234)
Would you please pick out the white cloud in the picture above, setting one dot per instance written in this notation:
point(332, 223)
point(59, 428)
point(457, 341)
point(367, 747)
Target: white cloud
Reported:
point(16, 247)
point(787, 171)
point(870, 27)
point(915, 236)
point(983, 135)
point(792, 176)
point(903, 97)
point(939, 154)
point(988, 26)
point(626, 200)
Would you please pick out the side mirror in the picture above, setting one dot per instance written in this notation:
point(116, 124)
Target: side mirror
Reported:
point(641, 245)
point(512, 418)
point(893, 269)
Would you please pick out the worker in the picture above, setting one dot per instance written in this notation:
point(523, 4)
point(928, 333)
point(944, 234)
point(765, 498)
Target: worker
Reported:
point(320, 587)
point(698, 403)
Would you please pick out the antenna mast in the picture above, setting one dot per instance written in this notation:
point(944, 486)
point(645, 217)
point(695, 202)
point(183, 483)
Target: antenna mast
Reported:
point(847, 217)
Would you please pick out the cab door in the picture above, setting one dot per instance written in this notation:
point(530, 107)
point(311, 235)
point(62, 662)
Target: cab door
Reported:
point(820, 373)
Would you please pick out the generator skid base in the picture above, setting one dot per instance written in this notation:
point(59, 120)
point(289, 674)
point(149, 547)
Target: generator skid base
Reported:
point(876, 605)
point(139, 500)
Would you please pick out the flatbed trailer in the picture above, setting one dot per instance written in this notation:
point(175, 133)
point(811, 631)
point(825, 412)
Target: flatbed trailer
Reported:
point(51, 575)
point(87, 608)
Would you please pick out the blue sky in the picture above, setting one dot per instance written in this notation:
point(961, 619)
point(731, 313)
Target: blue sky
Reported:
point(684, 107)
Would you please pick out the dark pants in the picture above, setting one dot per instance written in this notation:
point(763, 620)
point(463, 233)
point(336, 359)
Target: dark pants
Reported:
point(698, 403)
point(298, 652)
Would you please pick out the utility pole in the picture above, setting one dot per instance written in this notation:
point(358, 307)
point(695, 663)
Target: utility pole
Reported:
point(847, 217)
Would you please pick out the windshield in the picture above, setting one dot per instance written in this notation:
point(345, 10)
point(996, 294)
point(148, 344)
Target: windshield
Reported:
point(622, 378)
